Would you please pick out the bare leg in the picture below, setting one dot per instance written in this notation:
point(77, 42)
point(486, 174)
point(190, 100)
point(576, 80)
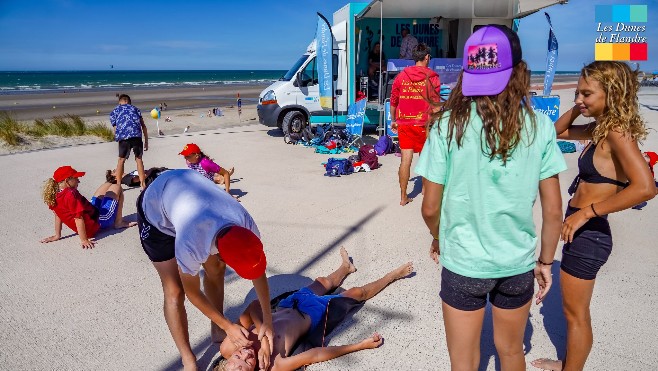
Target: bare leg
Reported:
point(368, 291)
point(174, 311)
point(102, 189)
point(576, 298)
point(213, 287)
point(509, 328)
point(404, 174)
point(119, 172)
point(116, 192)
point(463, 330)
point(323, 285)
point(231, 171)
point(140, 171)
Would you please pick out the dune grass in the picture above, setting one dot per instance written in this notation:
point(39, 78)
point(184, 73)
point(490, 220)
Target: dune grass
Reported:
point(11, 131)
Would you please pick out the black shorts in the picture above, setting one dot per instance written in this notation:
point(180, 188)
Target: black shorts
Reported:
point(465, 293)
point(135, 144)
point(590, 248)
point(158, 246)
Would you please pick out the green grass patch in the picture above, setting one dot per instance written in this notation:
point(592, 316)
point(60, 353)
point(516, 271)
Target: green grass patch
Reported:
point(64, 126)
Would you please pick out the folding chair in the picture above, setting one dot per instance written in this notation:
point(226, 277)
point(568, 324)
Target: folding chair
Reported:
point(354, 123)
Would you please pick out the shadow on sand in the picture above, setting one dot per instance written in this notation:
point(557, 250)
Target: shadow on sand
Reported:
point(280, 282)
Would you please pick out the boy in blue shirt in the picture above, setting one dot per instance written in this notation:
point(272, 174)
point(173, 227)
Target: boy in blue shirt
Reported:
point(128, 127)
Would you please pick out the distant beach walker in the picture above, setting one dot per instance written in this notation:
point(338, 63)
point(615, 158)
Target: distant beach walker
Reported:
point(12, 82)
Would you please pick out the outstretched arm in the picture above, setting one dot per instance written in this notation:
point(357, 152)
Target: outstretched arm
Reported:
point(58, 231)
point(145, 133)
point(316, 355)
point(192, 287)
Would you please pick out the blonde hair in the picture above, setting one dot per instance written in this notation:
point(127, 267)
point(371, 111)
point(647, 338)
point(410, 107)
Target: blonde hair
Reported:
point(621, 112)
point(221, 365)
point(49, 192)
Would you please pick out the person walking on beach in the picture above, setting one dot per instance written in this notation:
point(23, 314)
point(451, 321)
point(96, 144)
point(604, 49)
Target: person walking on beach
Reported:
point(612, 176)
point(186, 223)
point(483, 167)
point(72, 209)
point(409, 43)
point(128, 126)
point(198, 161)
point(413, 91)
point(308, 313)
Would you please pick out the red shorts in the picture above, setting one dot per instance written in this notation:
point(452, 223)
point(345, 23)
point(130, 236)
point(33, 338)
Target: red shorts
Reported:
point(412, 137)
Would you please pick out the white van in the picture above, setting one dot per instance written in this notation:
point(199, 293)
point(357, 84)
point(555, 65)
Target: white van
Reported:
point(293, 102)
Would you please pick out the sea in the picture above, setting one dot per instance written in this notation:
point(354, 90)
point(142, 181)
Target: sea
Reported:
point(19, 82)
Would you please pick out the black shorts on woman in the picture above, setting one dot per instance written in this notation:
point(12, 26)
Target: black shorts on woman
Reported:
point(590, 248)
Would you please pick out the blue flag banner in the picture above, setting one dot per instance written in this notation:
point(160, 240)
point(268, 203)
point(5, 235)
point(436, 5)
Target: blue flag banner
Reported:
point(387, 119)
point(551, 58)
point(355, 116)
point(548, 104)
point(324, 40)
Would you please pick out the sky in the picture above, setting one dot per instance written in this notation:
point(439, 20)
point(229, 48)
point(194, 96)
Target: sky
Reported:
point(242, 34)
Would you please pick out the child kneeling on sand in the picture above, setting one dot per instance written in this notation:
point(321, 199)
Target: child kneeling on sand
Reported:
point(197, 160)
point(86, 218)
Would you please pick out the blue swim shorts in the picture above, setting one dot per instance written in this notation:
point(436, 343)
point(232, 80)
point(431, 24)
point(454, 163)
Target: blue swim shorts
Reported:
point(307, 302)
point(107, 210)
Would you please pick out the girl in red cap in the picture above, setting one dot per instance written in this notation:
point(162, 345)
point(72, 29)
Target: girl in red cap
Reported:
point(612, 176)
point(85, 218)
point(204, 165)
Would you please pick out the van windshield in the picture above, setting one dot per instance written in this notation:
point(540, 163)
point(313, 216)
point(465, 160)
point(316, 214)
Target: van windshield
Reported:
point(293, 70)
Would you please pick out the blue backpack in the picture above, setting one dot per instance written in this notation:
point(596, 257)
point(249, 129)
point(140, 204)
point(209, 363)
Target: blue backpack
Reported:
point(338, 167)
point(384, 145)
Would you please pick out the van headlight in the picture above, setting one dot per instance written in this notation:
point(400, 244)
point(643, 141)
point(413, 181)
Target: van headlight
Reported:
point(268, 98)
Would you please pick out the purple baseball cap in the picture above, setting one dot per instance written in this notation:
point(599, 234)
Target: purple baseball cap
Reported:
point(490, 55)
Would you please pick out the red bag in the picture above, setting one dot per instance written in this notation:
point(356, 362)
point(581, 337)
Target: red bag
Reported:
point(368, 155)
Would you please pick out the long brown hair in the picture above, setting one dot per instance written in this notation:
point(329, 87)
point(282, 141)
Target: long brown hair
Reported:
point(621, 112)
point(502, 115)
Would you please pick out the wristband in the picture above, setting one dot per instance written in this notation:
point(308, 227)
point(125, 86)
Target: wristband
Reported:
point(542, 263)
point(594, 211)
point(435, 238)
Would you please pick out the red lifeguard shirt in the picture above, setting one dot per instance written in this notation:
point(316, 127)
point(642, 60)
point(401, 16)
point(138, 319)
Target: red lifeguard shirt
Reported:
point(70, 204)
point(413, 91)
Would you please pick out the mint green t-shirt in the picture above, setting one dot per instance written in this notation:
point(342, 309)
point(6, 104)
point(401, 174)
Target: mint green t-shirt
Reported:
point(486, 228)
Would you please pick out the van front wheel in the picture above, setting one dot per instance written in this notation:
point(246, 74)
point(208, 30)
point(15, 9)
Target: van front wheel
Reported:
point(293, 122)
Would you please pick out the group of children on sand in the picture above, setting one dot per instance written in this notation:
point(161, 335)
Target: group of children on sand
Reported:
point(484, 240)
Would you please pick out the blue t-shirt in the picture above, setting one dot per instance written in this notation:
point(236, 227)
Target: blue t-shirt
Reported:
point(486, 229)
point(127, 120)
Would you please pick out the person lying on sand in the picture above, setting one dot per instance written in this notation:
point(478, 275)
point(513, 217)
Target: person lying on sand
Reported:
point(299, 315)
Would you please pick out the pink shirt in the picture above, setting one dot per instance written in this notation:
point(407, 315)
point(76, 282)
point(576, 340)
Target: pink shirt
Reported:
point(205, 167)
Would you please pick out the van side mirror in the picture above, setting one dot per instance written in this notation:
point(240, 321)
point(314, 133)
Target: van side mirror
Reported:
point(298, 80)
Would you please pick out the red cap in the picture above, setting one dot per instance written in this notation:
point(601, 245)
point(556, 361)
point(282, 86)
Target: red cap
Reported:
point(243, 251)
point(64, 172)
point(189, 149)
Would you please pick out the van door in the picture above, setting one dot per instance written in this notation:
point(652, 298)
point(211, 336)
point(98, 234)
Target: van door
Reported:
point(308, 94)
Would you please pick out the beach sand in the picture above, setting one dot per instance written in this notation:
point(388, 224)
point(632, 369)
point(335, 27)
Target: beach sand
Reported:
point(185, 106)
point(68, 308)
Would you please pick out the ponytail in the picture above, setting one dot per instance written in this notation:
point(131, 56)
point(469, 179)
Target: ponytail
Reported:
point(50, 189)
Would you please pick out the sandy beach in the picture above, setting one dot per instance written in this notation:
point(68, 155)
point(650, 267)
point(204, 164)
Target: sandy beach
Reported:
point(68, 308)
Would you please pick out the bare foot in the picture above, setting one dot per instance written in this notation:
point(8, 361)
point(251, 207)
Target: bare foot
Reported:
point(346, 260)
point(190, 366)
point(403, 271)
point(231, 171)
point(405, 201)
point(217, 335)
point(124, 224)
point(547, 364)
point(236, 198)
